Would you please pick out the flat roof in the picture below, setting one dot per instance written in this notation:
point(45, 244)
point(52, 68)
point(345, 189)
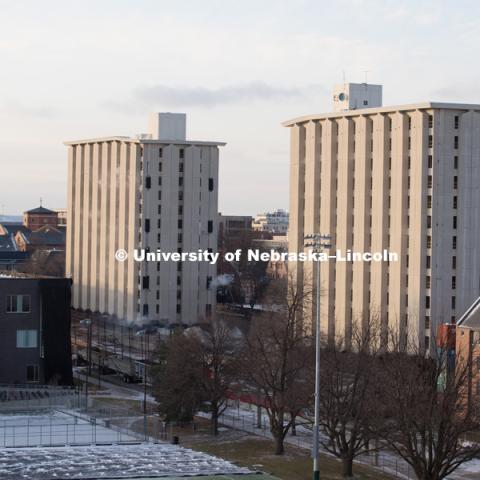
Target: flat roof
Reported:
point(143, 140)
point(374, 110)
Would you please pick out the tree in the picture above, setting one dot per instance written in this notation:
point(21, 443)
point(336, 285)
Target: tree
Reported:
point(215, 351)
point(175, 379)
point(197, 369)
point(425, 407)
point(278, 356)
point(347, 396)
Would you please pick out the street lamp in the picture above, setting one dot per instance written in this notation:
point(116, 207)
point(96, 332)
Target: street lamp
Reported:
point(88, 323)
point(318, 242)
point(145, 333)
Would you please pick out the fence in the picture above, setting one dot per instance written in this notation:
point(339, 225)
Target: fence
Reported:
point(246, 418)
point(63, 419)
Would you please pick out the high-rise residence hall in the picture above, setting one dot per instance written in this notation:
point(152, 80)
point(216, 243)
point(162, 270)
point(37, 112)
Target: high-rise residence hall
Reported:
point(156, 191)
point(402, 178)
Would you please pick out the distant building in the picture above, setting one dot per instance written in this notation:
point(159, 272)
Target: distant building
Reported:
point(155, 191)
point(40, 217)
point(61, 216)
point(35, 330)
point(278, 243)
point(233, 230)
point(44, 238)
point(274, 222)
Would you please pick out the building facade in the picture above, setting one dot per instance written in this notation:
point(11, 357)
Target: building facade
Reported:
point(158, 191)
point(40, 217)
point(405, 179)
point(274, 222)
point(35, 330)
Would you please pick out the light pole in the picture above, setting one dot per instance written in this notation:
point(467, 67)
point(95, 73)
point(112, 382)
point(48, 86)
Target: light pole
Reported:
point(88, 323)
point(145, 348)
point(318, 242)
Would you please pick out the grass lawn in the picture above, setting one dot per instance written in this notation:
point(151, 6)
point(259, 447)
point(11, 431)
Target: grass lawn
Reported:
point(256, 453)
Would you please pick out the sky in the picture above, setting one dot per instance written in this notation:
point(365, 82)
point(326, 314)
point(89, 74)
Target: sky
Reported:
point(81, 69)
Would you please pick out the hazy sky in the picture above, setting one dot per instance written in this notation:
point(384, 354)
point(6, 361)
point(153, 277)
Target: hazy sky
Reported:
point(75, 69)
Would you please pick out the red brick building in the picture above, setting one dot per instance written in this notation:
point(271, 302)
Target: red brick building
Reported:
point(39, 217)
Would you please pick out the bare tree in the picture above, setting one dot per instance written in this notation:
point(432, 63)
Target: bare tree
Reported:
point(278, 356)
point(426, 411)
point(215, 350)
point(348, 395)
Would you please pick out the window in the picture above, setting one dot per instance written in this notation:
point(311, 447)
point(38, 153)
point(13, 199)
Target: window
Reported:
point(159, 223)
point(427, 322)
point(181, 153)
point(409, 123)
point(18, 303)
point(455, 142)
point(430, 141)
point(429, 201)
point(430, 121)
point(145, 309)
point(428, 261)
point(146, 282)
point(179, 308)
point(180, 223)
point(365, 102)
point(210, 184)
point(180, 239)
point(157, 309)
point(159, 210)
point(453, 303)
point(454, 222)
point(409, 143)
point(159, 181)
point(429, 241)
point(159, 166)
point(428, 282)
point(429, 221)
point(179, 281)
point(180, 195)
point(160, 155)
point(209, 281)
point(430, 161)
point(427, 302)
point(148, 182)
point(180, 181)
point(181, 167)
point(210, 226)
point(455, 182)
point(430, 181)
point(455, 162)
point(147, 225)
point(455, 202)
point(454, 282)
point(32, 373)
point(454, 242)
point(454, 262)
point(180, 209)
point(27, 339)
point(456, 122)
point(159, 194)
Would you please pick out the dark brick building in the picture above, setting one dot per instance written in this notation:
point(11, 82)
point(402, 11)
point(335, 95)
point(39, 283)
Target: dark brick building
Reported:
point(35, 330)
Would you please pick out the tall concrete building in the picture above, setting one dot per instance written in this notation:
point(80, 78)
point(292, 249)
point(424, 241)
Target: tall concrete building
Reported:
point(403, 178)
point(154, 191)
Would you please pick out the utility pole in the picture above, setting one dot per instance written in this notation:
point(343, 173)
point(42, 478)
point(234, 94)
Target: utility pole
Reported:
point(318, 242)
point(88, 323)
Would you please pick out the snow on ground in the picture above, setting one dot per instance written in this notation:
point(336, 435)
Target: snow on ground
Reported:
point(116, 461)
